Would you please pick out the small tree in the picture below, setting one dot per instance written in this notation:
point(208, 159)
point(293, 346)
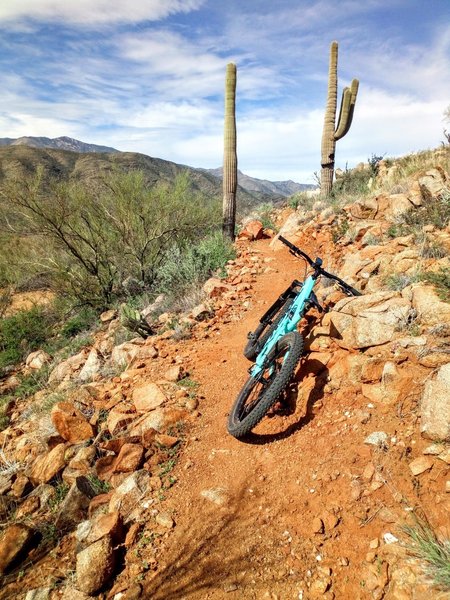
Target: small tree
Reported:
point(87, 242)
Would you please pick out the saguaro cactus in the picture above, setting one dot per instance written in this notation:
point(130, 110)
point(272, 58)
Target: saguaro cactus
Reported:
point(332, 132)
point(229, 154)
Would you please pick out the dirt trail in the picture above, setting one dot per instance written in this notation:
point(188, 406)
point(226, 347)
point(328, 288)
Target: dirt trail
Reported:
point(255, 538)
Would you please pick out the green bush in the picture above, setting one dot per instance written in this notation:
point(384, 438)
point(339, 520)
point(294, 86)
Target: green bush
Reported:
point(85, 243)
point(433, 552)
point(24, 332)
point(81, 321)
point(441, 280)
point(398, 281)
point(186, 267)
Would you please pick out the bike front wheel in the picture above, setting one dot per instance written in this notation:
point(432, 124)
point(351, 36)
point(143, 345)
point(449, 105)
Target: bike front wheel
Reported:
point(261, 392)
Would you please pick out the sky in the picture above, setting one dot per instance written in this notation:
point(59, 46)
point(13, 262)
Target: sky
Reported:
point(148, 76)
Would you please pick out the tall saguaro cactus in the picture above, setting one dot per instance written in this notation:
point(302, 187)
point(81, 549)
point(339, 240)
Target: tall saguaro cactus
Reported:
point(229, 154)
point(332, 132)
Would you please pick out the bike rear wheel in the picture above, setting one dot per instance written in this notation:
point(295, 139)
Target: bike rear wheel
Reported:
point(254, 346)
point(261, 392)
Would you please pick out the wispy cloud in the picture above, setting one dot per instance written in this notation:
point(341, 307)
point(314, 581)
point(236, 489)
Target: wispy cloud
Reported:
point(94, 12)
point(151, 78)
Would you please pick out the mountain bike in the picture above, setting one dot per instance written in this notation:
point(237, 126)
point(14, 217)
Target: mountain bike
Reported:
point(276, 346)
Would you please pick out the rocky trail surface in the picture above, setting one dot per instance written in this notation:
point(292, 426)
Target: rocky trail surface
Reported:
point(120, 481)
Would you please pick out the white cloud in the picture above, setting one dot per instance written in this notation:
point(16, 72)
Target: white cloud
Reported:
point(94, 12)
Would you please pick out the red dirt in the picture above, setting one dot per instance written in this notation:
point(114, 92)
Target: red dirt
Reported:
point(260, 543)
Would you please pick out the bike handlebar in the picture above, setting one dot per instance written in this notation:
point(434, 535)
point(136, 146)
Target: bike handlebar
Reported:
point(317, 266)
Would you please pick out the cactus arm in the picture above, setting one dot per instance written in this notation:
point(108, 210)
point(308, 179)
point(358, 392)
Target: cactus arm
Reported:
point(332, 132)
point(229, 153)
point(347, 109)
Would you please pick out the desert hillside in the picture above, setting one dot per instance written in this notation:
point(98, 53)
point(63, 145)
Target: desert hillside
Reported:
point(118, 479)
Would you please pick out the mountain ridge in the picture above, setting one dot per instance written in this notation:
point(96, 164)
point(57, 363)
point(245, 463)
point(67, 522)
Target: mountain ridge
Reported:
point(276, 189)
point(284, 188)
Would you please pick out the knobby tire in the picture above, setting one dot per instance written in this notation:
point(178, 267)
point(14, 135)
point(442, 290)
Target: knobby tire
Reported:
point(245, 416)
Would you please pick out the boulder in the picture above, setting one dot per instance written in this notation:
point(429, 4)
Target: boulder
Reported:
point(433, 183)
point(435, 406)
point(124, 354)
point(47, 465)
point(157, 419)
point(91, 367)
point(118, 420)
point(129, 458)
point(253, 230)
point(431, 310)
point(73, 508)
point(14, 544)
point(36, 360)
point(147, 397)
point(215, 287)
point(95, 566)
point(108, 315)
point(370, 320)
point(67, 368)
point(131, 492)
point(70, 423)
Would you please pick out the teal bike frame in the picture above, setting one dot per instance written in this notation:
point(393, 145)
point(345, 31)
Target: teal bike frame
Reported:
point(303, 298)
point(287, 324)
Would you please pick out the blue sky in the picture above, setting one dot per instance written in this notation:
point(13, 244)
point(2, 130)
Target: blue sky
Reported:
point(148, 76)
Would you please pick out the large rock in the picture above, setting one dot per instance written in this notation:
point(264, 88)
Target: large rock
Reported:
point(370, 320)
point(253, 230)
point(14, 544)
point(124, 354)
point(147, 397)
point(131, 492)
point(430, 309)
point(433, 183)
point(158, 419)
point(91, 367)
point(36, 360)
point(47, 465)
point(71, 425)
point(95, 566)
point(215, 287)
point(73, 508)
point(67, 369)
point(118, 419)
point(435, 406)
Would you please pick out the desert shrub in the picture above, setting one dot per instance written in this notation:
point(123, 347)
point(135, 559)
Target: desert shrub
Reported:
point(435, 211)
point(185, 267)
point(398, 281)
point(352, 183)
point(79, 322)
point(24, 332)
point(86, 242)
point(301, 200)
point(264, 214)
point(432, 552)
point(441, 281)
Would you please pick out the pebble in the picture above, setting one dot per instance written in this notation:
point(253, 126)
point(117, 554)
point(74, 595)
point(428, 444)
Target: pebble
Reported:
point(165, 520)
point(420, 465)
point(377, 438)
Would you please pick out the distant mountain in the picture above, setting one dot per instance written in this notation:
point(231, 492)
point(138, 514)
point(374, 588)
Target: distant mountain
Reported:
point(273, 188)
point(20, 161)
point(59, 143)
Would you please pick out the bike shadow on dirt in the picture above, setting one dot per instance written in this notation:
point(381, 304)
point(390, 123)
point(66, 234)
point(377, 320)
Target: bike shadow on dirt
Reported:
point(302, 398)
point(206, 555)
